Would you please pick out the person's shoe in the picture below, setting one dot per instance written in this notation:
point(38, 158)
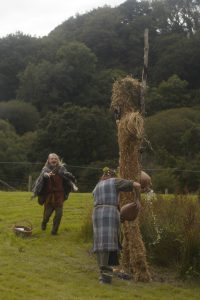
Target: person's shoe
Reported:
point(124, 276)
point(101, 281)
point(54, 233)
point(43, 226)
point(106, 269)
point(105, 279)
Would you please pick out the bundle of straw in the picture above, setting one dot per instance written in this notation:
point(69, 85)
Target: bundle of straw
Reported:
point(125, 99)
point(126, 94)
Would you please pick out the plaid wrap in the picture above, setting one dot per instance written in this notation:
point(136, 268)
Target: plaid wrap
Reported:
point(38, 187)
point(106, 220)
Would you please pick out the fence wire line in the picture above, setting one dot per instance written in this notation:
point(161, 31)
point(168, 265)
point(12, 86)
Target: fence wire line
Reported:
point(7, 185)
point(94, 168)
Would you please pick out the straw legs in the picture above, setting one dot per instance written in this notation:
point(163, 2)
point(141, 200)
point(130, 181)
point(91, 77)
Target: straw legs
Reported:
point(56, 220)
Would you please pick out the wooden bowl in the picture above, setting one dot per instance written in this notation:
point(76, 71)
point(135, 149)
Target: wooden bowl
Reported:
point(129, 212)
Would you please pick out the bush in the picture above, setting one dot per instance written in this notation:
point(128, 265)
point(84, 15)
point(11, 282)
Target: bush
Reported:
point(170, 228)
point(163, 180)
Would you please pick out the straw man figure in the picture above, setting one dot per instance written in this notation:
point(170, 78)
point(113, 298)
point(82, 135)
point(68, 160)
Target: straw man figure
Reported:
point(130, 124)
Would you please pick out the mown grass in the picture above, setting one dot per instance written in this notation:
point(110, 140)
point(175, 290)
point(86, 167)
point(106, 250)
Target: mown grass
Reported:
point(62, 267)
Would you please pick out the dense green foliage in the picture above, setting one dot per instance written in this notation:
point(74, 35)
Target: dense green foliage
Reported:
point(174, 136)
point(56, 90)
point(77, 134)
point(23, 116)
point(14, 149)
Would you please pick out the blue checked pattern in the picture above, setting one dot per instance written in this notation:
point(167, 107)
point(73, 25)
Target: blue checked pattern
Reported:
point(106, 220)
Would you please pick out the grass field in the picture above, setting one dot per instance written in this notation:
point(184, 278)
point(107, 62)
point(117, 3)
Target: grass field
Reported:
point(62, 267)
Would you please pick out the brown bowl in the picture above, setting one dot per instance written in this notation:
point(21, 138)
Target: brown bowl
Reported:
point(129, 212)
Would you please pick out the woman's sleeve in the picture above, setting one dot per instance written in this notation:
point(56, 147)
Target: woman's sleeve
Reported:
point(124, 185)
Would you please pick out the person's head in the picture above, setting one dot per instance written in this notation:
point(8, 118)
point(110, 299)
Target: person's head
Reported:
point(53, 160)
point(108, 173)
point(145, 181)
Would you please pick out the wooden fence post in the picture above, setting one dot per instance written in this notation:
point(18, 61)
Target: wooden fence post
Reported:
point(29, 183)
point(144, 72)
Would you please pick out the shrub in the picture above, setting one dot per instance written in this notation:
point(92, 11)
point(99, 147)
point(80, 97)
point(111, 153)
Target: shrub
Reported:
point(170, 228)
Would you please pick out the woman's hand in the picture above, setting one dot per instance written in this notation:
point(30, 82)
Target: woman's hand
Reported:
point(48, 175)
point(137, 186)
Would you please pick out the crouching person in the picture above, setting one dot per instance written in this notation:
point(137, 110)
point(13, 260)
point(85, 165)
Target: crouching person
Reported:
point(106, 221)
point(52, 188)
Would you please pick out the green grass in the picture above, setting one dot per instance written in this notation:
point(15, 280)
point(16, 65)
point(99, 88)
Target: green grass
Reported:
point(62, 267)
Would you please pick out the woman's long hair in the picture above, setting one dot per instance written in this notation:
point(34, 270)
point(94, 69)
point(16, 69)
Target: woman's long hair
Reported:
point(60, 162)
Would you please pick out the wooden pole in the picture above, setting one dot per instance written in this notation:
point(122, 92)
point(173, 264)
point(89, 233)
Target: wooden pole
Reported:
point(29, 183)
point(145, 69)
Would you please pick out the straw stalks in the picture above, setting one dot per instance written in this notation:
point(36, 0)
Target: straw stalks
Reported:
point(125, 99)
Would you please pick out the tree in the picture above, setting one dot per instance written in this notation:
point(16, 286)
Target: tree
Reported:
point(79, 135)
point(165, 179)
point(13, 150)
point(36, 85)
point(169, 94)
point(99, 92)
point(23, 116)
point(48, 85)
point(77, 64)
point(183, 15)
point(173, 129)
point(98, 30)
point(179, 57)
point(16, 50)
point(189, 177)
point(175, 136)
point(180, 16)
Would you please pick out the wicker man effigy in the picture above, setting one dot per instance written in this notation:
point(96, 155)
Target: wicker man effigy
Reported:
point(125, 102)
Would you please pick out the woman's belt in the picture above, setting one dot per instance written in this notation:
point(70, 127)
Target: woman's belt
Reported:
point(99, 205)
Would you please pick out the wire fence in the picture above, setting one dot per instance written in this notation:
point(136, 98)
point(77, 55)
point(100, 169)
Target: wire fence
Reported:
point(21, 175)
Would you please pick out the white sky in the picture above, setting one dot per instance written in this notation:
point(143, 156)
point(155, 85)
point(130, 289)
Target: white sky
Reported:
point(39, 17)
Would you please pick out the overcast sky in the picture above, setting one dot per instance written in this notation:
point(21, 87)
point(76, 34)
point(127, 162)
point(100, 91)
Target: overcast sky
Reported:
point(39, 17)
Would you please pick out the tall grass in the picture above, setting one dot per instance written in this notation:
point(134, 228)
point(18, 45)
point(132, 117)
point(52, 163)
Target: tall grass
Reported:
point(86, 230)
point(170, 228)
